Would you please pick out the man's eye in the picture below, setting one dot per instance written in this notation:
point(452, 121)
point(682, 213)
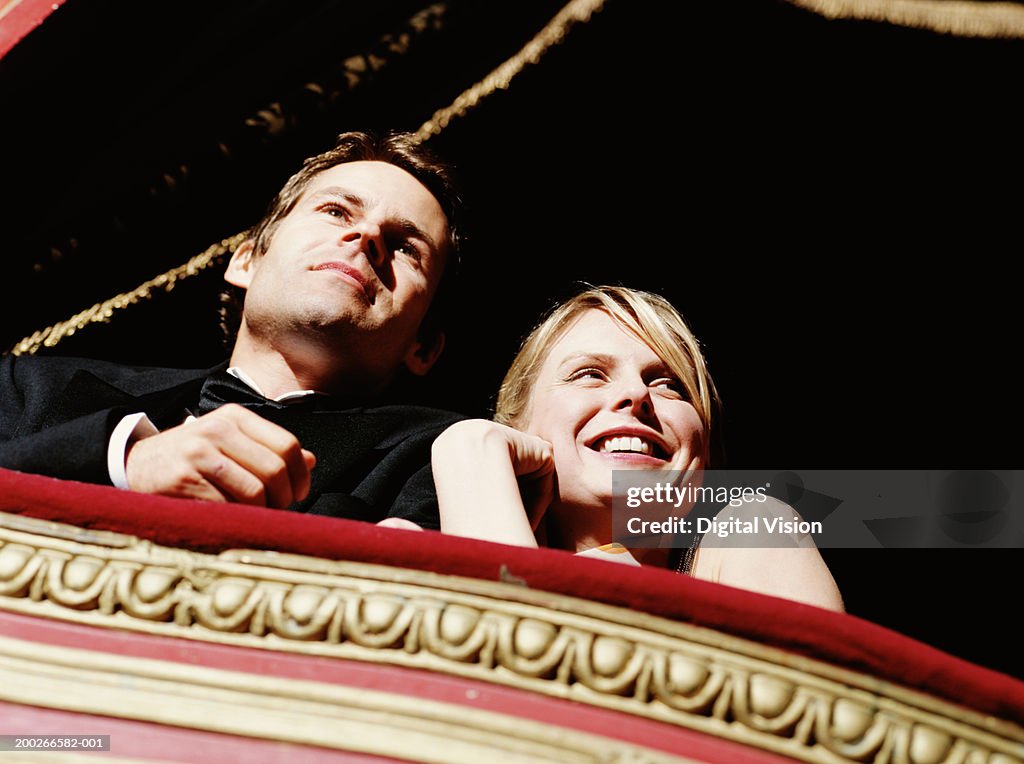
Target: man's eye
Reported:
point(336, 211)
point(407, 249)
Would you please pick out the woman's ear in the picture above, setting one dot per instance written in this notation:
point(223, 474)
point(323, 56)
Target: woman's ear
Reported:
point(241, 265)
point(422, 355)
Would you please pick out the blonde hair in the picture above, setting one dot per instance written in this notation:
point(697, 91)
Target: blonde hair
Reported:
point(650, 317)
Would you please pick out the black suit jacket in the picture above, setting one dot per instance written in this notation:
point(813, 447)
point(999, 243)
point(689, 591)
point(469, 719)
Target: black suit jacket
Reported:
point(57, 414)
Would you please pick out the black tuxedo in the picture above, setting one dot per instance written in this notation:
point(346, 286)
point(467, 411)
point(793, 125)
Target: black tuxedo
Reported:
point(57, 414)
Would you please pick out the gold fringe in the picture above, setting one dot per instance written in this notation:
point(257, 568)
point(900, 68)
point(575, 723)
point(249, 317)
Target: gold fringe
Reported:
point(553, 33)
point(956, 17)
point(102, 312)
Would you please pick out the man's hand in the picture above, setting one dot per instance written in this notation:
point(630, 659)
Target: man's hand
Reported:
point(229, 454)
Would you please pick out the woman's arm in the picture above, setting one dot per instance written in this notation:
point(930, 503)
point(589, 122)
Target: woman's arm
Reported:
point(798, 574)
point(787, 566)
point(478, 466)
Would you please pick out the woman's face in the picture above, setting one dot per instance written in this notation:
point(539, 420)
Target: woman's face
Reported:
point(606, 401)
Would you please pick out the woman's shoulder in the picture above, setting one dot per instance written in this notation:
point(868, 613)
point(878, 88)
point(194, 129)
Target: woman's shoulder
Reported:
point(767, 547)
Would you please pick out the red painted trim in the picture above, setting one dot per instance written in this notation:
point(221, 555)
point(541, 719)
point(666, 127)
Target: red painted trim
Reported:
point(145, 741)
point(20, 17)
point(409, 682)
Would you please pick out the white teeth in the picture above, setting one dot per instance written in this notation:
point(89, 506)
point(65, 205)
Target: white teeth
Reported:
point(625, 443)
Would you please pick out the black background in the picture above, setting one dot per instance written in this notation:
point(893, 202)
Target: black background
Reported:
point(832, 204)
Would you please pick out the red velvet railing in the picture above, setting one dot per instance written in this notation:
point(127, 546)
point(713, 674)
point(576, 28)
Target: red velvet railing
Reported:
point(841, 640)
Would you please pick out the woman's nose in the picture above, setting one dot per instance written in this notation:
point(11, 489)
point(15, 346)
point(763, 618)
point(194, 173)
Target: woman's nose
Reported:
point(634, 396)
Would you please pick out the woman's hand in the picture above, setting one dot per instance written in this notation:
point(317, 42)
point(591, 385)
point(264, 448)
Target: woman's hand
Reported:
point(532, 461)
point(493, 482)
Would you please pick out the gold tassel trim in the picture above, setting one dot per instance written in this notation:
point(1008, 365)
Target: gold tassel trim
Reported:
point(102, 312)
point(965, 19)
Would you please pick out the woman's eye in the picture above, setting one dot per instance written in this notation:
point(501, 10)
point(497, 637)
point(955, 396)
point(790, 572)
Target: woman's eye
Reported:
point(585, 374)
point(669, 385)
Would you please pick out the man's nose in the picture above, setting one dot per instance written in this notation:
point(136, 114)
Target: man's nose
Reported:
point(371, 241)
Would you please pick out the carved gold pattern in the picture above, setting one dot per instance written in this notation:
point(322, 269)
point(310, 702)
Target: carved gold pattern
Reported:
point(291, 710)
point(959, 17)
point(272, 120)
point(494, 632)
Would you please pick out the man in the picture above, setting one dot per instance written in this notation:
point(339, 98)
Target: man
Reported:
point(340, 281)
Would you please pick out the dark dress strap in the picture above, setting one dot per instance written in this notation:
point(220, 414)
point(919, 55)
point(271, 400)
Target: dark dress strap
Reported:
point(684, 565)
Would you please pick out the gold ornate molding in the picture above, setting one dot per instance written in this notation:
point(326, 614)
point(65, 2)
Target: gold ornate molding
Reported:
point(957, 17)
point(495, 632)
point(290, 710)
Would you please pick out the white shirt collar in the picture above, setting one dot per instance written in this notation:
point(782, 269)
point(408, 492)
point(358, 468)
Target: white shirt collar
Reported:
point(237, 373)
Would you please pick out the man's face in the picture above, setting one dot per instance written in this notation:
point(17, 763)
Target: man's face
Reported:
point(354, 265)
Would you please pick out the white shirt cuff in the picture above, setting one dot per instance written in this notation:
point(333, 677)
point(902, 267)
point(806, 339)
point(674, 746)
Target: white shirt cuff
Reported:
point(130, 429)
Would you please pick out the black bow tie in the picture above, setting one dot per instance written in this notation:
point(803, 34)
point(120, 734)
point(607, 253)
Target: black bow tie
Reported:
point(221, 388)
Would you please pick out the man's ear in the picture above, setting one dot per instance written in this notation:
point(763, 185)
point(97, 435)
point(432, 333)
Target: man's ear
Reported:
point(241, 265)
point(422, 355)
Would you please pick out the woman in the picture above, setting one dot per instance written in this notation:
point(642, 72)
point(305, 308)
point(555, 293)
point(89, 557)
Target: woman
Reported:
point(612, 379)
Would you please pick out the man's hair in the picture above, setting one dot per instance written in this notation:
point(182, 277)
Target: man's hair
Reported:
point(399, 149)
point(649, 317)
